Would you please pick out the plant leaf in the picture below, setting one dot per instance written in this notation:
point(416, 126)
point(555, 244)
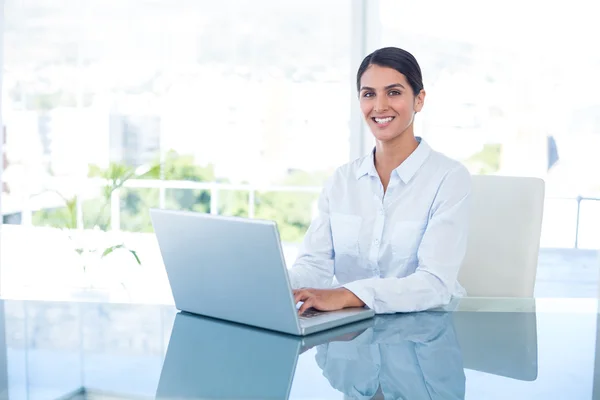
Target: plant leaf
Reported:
point(110, 249)
point(134, 253)
point(153, 172)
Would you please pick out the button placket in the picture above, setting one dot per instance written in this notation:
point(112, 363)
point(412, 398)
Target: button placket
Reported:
point(378, 202)
point(377, 236)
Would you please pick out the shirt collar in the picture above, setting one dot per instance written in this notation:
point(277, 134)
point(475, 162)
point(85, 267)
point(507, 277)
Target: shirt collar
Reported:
point(411, 165)
point(367, 166)
point(405, 171)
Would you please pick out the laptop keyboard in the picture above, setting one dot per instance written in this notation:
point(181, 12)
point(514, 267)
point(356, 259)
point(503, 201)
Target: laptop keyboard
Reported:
point(311, 312)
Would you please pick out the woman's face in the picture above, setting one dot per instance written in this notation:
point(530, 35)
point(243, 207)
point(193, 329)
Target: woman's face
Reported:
point(388, 102)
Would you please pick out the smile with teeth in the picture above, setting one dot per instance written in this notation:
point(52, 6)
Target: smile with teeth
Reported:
point(383, 121)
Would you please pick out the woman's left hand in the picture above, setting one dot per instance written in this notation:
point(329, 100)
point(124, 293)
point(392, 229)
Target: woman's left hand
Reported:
point(326, 299)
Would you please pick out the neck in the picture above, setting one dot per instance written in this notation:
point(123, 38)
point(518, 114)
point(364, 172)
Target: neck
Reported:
point(389, 155)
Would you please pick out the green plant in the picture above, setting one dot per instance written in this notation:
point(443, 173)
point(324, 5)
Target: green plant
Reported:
point(291, 210)
point(97, 217)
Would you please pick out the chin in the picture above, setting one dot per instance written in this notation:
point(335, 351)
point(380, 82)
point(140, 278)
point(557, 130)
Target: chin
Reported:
point(385, 139)
point(384, 136)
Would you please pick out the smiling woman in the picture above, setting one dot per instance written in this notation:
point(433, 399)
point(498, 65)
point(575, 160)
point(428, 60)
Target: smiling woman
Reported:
point(392, 225)
point(391, 91)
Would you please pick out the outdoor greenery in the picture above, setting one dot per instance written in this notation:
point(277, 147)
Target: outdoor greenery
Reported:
point(486, 161)
point(96, 212)
point(291, 210)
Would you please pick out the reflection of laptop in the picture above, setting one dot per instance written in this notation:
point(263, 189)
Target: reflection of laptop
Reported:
point(233, 269)
point(209, 358)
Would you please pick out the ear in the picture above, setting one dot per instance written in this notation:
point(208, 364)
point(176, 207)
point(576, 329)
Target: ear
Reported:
point(419, 101)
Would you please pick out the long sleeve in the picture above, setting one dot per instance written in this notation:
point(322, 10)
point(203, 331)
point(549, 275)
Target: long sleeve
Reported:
point(314, 266)
point(440, 255)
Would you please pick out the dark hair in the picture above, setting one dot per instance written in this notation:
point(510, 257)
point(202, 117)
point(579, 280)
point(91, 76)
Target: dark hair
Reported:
point(398, 59)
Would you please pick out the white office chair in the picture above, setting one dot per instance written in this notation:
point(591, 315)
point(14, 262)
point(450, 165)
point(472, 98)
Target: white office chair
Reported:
point(504, 236)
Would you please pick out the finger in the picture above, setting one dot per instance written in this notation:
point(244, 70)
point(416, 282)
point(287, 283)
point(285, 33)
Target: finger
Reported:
point(301, 295)
point(307, 304)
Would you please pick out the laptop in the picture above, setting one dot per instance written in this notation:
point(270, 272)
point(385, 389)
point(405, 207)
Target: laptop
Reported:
point(233, 268)
point(209, 358)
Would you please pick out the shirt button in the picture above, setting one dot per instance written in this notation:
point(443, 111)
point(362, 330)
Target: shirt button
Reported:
point(381, 212)
point(376, 242)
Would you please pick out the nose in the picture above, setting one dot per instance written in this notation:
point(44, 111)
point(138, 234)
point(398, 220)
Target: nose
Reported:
point(381, 104)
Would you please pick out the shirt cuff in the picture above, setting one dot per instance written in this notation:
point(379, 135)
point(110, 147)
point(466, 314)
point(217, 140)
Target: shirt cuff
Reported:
point(364, 293)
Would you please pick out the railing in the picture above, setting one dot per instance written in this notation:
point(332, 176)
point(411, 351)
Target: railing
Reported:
point(162, 185)
point(214, 188)
point(578, 201)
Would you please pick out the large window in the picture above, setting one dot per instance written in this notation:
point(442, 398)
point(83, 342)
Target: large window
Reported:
point(239, 108)
point(245, 108)
point(511, 90)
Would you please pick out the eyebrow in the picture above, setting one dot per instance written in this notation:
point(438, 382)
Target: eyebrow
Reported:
point(387, 87)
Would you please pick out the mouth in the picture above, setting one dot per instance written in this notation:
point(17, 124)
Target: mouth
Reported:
point(382, 121)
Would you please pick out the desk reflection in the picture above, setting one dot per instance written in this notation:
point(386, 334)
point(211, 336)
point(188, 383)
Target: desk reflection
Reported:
point(212, 359)
point(411, 356)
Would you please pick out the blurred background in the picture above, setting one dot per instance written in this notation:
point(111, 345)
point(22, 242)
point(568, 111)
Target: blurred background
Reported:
point(111, 107)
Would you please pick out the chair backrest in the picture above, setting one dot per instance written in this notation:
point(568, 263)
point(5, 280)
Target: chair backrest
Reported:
point(504, 236)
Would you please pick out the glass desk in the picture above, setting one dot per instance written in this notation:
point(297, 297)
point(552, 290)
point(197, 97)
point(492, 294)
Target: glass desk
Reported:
point(475, 349)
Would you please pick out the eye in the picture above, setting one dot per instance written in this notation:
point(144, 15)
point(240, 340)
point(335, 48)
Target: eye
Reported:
point(368, 94)
point(394, 93)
